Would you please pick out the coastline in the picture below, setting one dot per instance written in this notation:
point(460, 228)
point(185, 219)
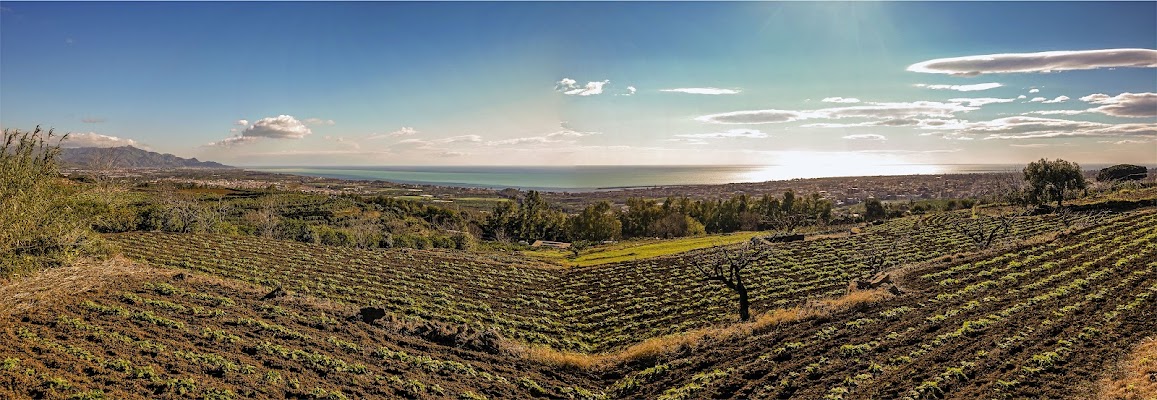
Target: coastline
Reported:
point(583, 179)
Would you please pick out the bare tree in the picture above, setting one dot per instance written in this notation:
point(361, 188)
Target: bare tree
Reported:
point(785, 223)
point(727, 268)
point(1007, 187)
point(265, 217)
point(103, 164)
point(983, 229)
point(878, 256)
point(501, 236)
point(1077, 219)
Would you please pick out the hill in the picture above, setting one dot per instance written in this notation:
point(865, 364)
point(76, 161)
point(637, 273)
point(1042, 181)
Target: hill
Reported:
point(128, 157)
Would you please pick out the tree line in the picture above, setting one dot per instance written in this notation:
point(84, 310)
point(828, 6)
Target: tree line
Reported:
point(531, 217)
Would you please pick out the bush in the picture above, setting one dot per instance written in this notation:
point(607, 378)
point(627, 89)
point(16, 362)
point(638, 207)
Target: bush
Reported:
point(676, 225)
point(41, 223)
point(1122, 172)
point(463, 241)
point(333, 236)
point(295, 229)
point(874, 210)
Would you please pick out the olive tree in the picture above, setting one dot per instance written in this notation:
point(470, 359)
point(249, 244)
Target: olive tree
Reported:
point(1048, 180)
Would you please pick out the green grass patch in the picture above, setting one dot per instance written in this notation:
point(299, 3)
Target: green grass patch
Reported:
point(638, 249)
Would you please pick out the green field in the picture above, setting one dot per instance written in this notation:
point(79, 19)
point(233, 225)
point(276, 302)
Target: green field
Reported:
point(638, 249)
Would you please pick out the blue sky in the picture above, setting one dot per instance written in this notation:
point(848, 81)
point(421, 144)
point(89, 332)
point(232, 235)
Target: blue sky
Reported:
point(360, 83)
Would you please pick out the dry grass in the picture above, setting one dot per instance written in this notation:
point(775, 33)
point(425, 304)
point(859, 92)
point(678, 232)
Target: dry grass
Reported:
point(662, 346)
point(1138, 380)
point(52, 284)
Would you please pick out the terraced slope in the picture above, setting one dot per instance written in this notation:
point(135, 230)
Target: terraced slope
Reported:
point(591, 309)
point(1037, 321)
point(439, 285)
point(179, 335)
point(624, 303)
point(1040, 322)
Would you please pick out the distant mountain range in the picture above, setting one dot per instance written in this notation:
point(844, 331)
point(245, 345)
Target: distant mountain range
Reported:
point(128, 157)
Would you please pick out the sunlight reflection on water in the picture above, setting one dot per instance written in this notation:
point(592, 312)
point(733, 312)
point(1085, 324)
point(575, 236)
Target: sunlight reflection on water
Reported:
point(817, 165)
point(782, 172)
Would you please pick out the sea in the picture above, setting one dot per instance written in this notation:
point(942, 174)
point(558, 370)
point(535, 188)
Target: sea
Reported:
point(596, 178)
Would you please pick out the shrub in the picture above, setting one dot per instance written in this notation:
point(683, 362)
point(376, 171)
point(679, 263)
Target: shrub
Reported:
point(463, 241)
point(1122, 172)
point(40, 221)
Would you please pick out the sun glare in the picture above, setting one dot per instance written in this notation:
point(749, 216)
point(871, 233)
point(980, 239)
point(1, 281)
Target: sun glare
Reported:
point(813, 164)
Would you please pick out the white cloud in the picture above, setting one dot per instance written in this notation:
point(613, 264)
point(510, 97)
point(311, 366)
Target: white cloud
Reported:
point(233, 141)
point(318, 121)
point(314, 153)
point(279, 127)
point(571, 87)
point(868, 110)
point(689, 141)
point(433, 143)
point(1021, 97)
point(1058, 112)
point(962, 88)
point(418, 142)
point(566, 131)
point(564, 135)
point(459, 139)
point(630, 90)
point(980, 101)
point(1048, 61)
point(403, 131)
point(1128, 105)
point(522, 140)
point(866, 136)
point(840, 100)
point(729, 134)
point(1128, 141)
point(703, 90)
point(344, 141)
point(241, 122)
point(752, 117)
point(942, 124)
point(894, 110)
point(1038, 99)
point(1025, 127)
point(883, 122)
point(923, 123)
point(1034, 90)
point(93, 139)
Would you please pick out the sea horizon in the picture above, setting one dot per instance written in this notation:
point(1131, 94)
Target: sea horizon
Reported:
point(581, 178)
